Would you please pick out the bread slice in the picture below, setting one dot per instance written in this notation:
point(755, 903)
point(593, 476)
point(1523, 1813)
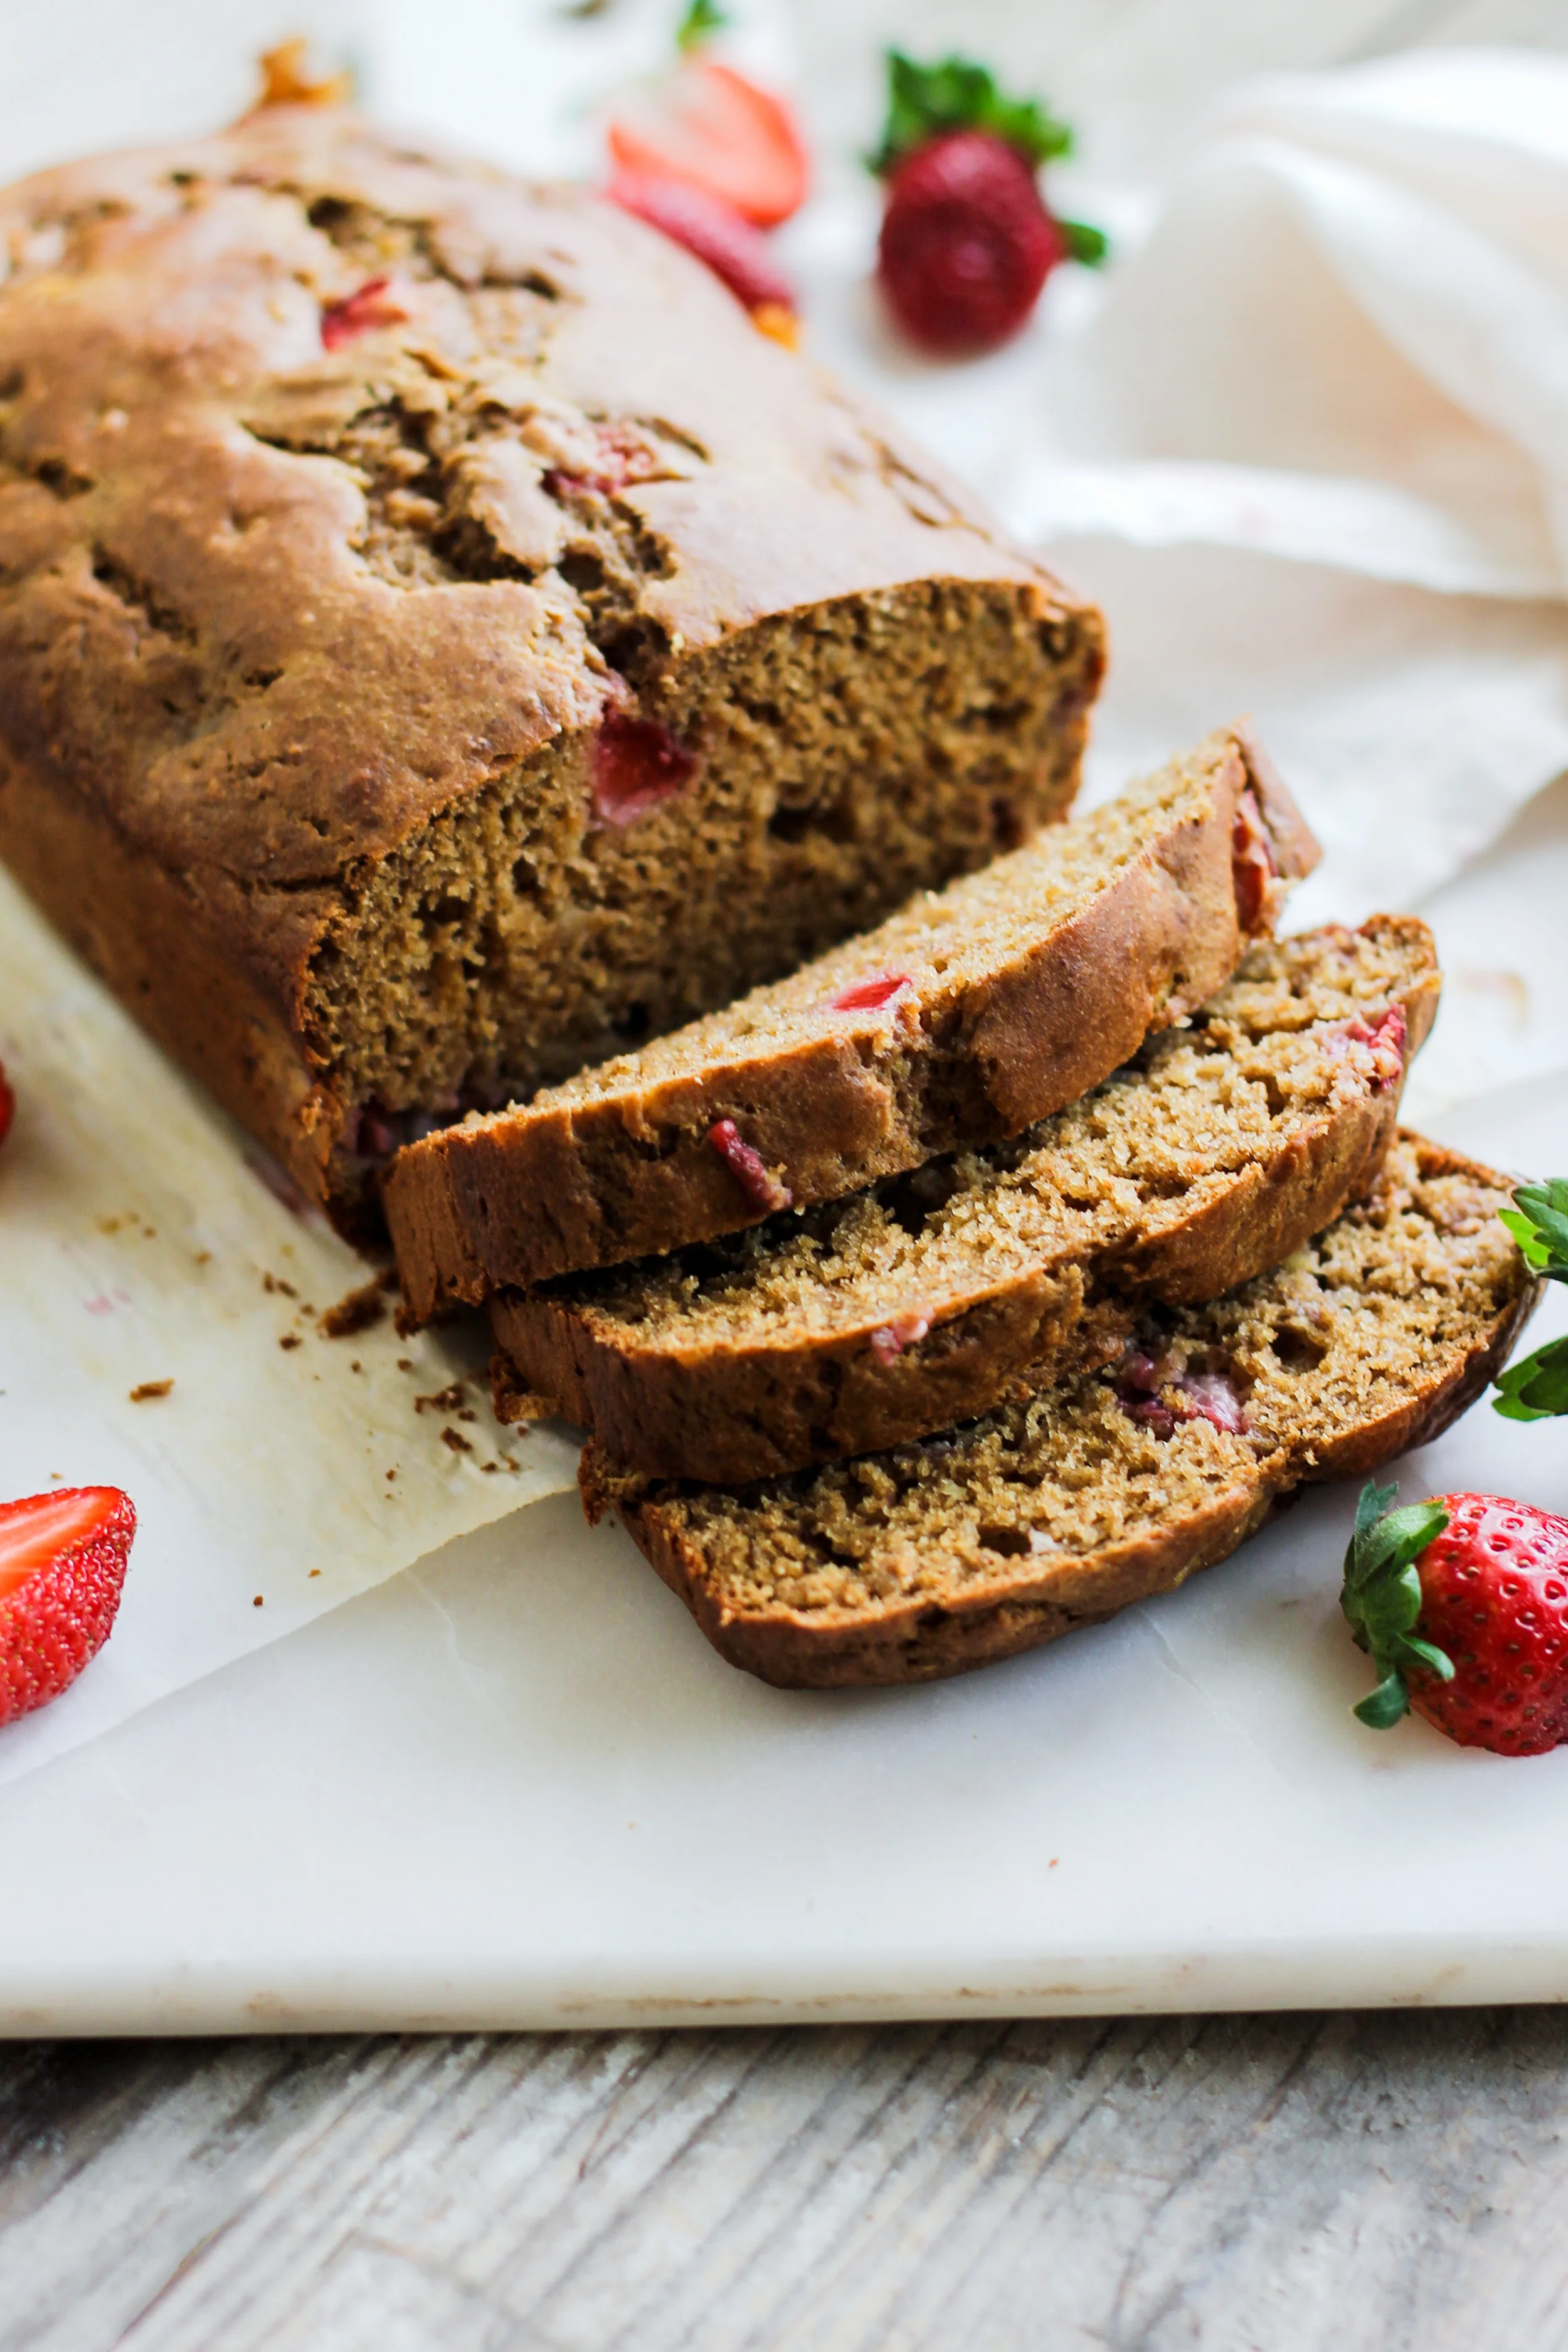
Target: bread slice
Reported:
point(1060, 1510)
point(962, 1018)
point(1212, 1154)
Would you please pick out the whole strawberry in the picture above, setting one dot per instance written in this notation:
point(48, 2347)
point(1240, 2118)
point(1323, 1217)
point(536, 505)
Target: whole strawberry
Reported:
point(1463, 1603)
point(967, 241)
point(63, 1558)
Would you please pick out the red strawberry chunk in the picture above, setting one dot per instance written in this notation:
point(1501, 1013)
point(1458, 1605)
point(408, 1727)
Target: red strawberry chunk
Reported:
point(870, 996)
point(714, 130)
point(63, 1558)
point(1378, 1052)
point(374, 304)
point(622, 459)
point(748, 1167)
point(1154, 1394)
point(1254, 867)
point(637, 766)
point(905, 1330)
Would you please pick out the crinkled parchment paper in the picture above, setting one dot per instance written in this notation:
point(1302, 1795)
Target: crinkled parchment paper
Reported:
point(141, 1243)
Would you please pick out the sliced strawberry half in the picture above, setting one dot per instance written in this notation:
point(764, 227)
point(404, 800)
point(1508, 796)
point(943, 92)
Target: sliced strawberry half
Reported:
point(707, 125)
point(63, 1558)
point(719, 236)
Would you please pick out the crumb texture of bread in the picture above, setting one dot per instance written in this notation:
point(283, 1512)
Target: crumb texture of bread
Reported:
point(969, 1014)
point(443, 643)
point(1217, 1149)
point(1062, 1508)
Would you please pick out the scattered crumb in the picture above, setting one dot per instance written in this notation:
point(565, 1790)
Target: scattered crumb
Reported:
point(315, 1571)
point(112, 1224)
point(276, 1282)
point(392, 1474)
point(149, 1233)
point(289, 1340)
point(56, 1473)
point(203, 1257)
point(456, 1441)
point(405, 1363)
point(468, 1414)
point(257, 1603)
point(359, 1309)
point(145, 1391)
point(1055, 1859)
point(489, 1465)
point(446, 1400)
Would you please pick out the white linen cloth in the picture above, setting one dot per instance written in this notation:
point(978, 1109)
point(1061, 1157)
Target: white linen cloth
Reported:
point(1309, 445)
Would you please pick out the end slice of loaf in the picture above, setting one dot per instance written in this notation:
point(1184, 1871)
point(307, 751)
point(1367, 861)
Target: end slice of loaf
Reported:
point(1217, 1150)
point(1058, 1511)
point(972, 1011)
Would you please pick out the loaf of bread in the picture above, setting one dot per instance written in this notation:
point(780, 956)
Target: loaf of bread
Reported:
point(443, 643)
point(1058, 1511)
point(971, 1012)
point(1216, 1151)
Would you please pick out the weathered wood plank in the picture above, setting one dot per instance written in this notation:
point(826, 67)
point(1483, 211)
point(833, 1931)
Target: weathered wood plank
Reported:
point(1360, 2183)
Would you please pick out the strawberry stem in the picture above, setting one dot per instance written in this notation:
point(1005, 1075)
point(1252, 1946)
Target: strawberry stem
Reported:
point(1382, 1598)
point(1085, 243)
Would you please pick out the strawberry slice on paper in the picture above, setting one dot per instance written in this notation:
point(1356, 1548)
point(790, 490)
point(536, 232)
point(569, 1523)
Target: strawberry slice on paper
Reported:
point(63, 1558)
point(713, 129)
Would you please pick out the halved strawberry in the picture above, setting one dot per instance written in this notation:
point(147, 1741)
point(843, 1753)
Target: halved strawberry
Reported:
point(719, 236)
point(711, 127)
point(63, 1558)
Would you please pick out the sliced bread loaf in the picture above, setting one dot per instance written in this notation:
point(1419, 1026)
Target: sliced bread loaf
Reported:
point(1217, 1150)
point(971, 1012)
point(1060, 1510)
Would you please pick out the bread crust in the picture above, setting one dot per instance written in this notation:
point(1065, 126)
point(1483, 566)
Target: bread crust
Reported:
point(560, 1186)
point(1024, 1603)
point(211, 684)
point(732, 1413)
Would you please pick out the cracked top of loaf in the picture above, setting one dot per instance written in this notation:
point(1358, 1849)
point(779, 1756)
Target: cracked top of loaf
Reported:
point(337, 477)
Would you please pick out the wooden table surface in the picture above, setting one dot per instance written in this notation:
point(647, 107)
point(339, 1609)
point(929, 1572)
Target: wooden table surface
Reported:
point(1365, 2182)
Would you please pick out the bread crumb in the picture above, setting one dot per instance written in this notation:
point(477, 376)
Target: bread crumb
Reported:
point(203, 1257)
point(405, 1363)
point(257, 1603)
point(358, 1309)
point(392, 1474)
point(289, 1340)
point(444, 1400)
point(272, 1282)
point(145, 1391)
point(315, 1571)
point(456, 1441)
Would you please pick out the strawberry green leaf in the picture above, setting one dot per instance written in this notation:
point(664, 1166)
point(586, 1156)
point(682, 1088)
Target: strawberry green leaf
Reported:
point(1382, 1709)
point(1537, 1388)
point(1381, 1597)
point(955, 94)
point(702, 20)
point(1539, 1223)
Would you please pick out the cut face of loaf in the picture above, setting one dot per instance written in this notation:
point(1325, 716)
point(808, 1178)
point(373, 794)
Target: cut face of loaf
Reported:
point(967, 1015)
point(442, 643)
point(1058, 1511)
point(1212, 1154)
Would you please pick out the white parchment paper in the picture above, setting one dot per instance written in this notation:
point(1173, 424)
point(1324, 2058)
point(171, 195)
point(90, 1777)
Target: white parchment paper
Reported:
point(140, 1243)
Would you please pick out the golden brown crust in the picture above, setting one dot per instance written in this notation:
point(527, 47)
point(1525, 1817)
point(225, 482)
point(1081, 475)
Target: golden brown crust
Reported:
point(922, 1633)
point(241, 661)
point(569, 1184)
